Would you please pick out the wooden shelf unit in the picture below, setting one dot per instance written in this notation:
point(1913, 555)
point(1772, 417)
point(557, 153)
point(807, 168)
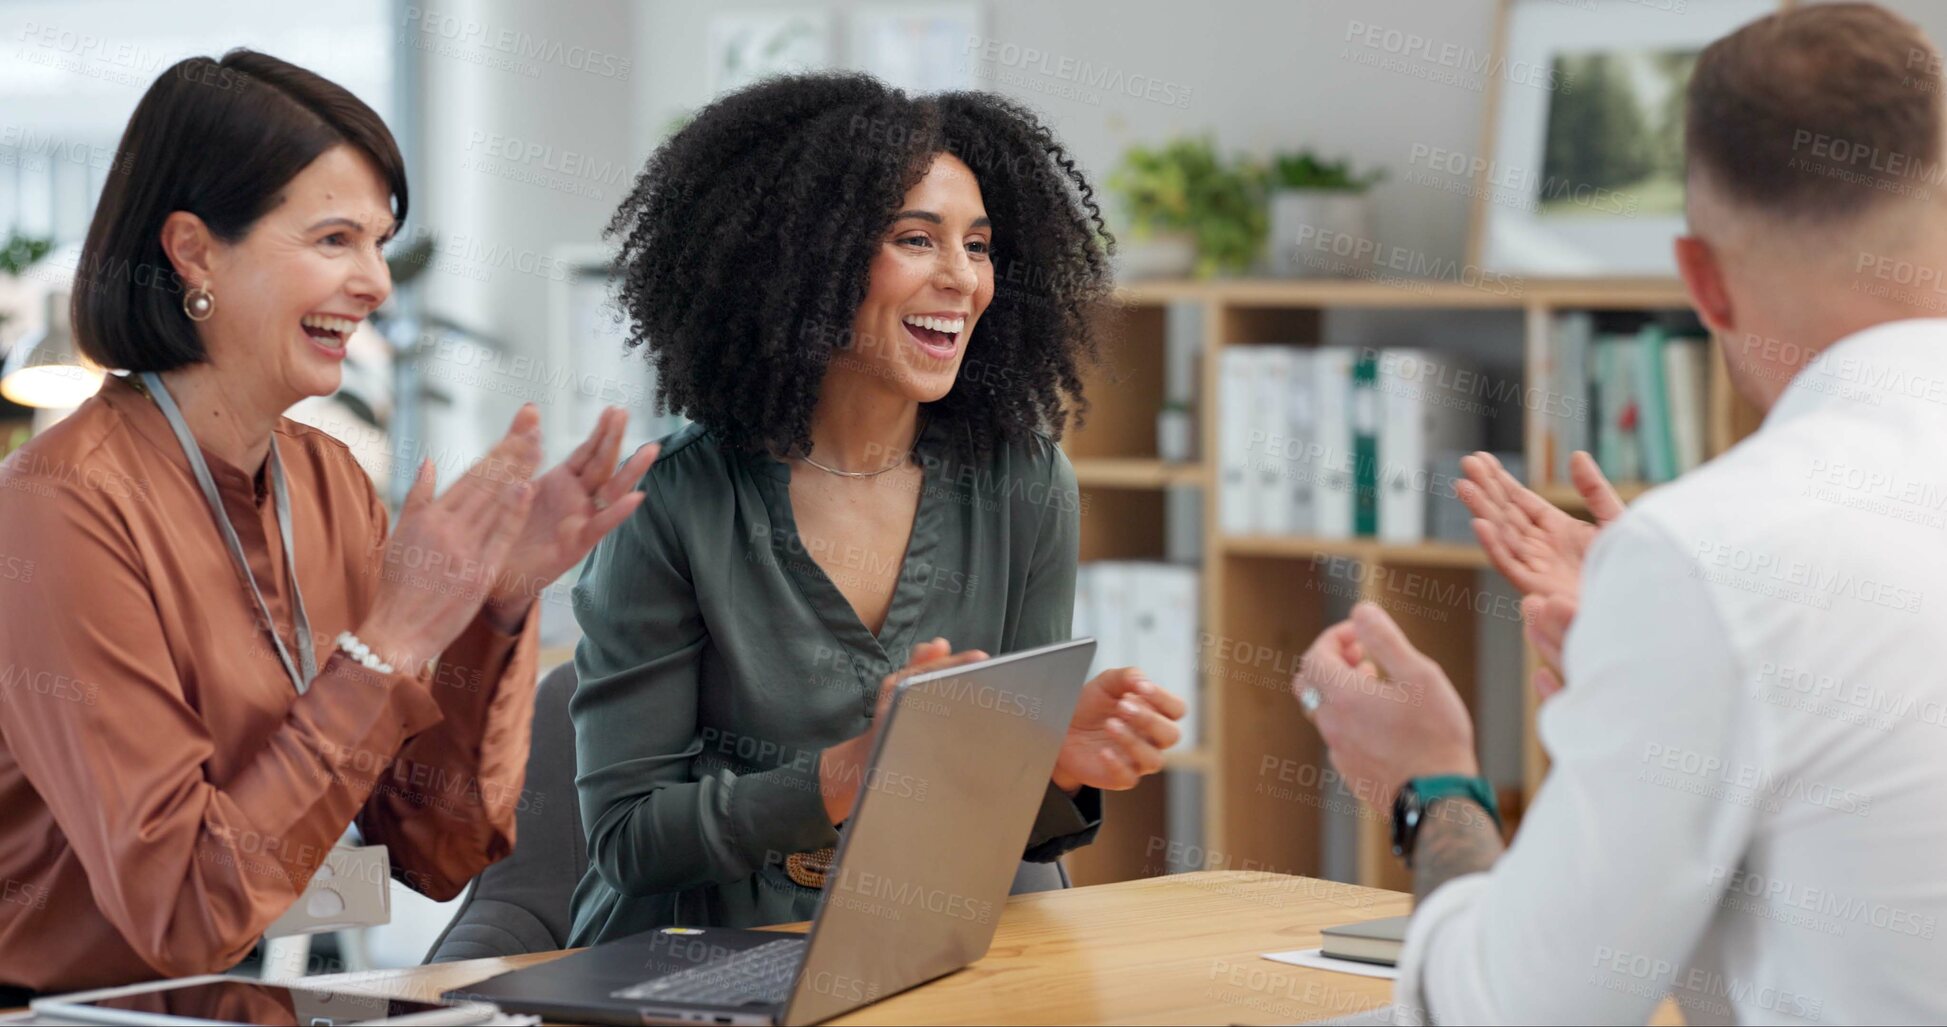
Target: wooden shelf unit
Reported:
point(1265, 598)
point(1565, 496)
point(1365, 550)
point(1135, 473)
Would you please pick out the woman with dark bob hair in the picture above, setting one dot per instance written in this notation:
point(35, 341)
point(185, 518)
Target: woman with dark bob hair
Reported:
point(875, 308)
point(223, 660)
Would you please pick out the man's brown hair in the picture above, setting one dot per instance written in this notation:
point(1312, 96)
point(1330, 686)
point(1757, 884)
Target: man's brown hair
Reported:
point(1817, 113)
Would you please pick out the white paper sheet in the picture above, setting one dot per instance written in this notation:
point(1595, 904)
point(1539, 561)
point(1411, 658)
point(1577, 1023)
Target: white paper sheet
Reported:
point(1317, 960)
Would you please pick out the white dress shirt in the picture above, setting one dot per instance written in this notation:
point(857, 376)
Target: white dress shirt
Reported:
point(1747, 803)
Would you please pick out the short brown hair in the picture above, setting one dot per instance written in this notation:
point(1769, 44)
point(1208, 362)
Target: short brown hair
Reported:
point(221, 140)
point(1817, 113)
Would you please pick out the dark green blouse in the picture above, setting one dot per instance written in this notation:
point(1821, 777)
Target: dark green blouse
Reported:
point(719, 661)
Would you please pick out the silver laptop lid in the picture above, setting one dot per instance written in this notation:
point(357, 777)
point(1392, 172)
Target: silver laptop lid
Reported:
point(956, 781)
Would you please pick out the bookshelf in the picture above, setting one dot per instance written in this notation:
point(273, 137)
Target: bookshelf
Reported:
point(1136, 473)
point(1564, 495)
point(1258, 767)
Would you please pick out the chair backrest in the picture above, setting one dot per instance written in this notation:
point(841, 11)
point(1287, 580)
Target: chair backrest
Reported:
point(1032, 877)
point(524, 902)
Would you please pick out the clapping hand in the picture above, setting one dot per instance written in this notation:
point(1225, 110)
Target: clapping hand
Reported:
point(582, 499)
point(1386, 711)
point(1547, 619)
point(1529, 540)
point(1538, 547)
point(1121, 726)
point(446, 552)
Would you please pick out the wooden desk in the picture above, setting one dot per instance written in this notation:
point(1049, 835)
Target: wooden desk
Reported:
point(1181, 949)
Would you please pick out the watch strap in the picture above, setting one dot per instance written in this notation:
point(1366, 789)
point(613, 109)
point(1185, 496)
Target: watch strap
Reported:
point(1457, 786)
point(1419, 794)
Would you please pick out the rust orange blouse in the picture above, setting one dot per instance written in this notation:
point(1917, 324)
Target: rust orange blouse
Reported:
point(164, 792)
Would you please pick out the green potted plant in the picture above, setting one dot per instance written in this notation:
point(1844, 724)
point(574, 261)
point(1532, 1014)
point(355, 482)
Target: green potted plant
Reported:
point(17, 254)
point(1312, 202)
point(1189, 209)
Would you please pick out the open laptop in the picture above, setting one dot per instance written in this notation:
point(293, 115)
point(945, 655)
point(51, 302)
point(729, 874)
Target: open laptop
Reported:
point(923, 867)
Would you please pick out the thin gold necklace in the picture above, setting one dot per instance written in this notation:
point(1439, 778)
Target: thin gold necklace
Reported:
point(851, 474)
point(919, 429)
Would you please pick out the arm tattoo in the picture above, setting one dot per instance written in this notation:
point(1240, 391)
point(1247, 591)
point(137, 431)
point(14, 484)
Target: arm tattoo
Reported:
point(1457, 837)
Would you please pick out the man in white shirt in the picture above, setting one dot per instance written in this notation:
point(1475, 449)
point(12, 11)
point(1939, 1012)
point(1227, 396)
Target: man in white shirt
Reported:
point(1746, 808)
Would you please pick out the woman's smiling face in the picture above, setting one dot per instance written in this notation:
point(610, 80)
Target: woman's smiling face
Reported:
point(292, 290)
point(930, 281)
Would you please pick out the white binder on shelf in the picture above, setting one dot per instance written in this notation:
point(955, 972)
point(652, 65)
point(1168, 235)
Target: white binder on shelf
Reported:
point(1163, 634)
point(1110, 600)
point(1421, 413)
point(1331, 459)
point(1270, 431)
point(1301, 471)
point(1236, 510)
point(1686, 365)
point(1083, 623)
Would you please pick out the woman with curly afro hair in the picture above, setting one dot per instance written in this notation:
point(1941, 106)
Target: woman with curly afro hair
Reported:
point(874, 308)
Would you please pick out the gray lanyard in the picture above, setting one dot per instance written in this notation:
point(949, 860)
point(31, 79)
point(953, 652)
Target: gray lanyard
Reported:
point(306, 657)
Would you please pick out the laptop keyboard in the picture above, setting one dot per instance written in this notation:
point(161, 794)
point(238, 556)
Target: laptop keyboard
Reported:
point(761, 974)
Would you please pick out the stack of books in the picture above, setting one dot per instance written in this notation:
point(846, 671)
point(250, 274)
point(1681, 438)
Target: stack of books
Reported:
point(1340, 442)
point(1635, 399)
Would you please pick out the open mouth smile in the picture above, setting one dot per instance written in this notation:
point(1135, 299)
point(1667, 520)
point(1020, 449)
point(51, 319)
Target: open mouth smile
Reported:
point(938, 335)
point(328, 332)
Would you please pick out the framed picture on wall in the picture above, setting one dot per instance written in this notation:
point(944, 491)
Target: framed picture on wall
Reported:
point(918, 47)
point(1584, 133)
point(749, 45)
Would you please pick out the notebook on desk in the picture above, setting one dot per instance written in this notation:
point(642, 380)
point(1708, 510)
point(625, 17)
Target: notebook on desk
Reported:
point(1370, 941)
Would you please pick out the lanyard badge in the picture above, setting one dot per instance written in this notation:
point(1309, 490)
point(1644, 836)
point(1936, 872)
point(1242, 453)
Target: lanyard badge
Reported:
point(306, 666)
point(351, 888)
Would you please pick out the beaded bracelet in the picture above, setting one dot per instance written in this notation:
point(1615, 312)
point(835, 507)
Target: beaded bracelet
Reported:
point(349, 644)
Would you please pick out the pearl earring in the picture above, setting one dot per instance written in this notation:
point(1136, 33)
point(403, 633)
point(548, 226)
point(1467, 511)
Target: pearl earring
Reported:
point(199, 303)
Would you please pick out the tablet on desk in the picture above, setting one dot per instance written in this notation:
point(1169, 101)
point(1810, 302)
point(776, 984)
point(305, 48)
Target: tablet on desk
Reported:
point(237, 1000)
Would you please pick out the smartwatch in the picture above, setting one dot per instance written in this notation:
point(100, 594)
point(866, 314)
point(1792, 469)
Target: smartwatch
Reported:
point(1410, 806)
